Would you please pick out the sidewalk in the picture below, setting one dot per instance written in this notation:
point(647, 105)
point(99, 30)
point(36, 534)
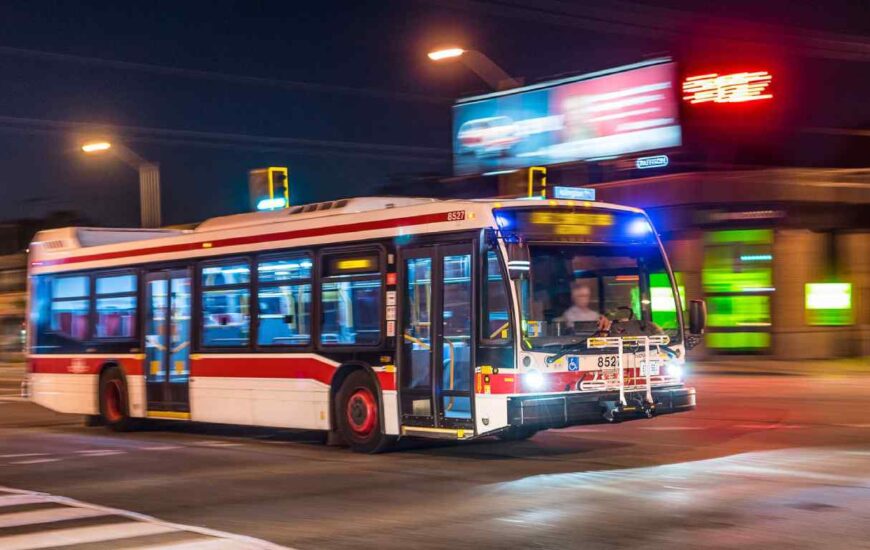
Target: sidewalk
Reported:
point(771, 367)
point(8, 369)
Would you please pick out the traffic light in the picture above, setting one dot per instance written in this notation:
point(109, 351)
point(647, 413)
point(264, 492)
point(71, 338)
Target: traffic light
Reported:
point(269, 188)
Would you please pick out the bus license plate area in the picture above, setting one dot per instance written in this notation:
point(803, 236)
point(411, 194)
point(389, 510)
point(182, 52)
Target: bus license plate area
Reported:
point(654, 367)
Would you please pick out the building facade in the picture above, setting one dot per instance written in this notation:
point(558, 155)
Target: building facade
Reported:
point(781, 256)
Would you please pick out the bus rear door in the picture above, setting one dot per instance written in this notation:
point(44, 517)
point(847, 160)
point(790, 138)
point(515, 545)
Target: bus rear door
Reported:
point(167, 343)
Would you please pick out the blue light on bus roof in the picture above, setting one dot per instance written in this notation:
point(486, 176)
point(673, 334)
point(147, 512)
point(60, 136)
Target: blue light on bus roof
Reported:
point(502, 221)
point(574, 193)
point(639, 227)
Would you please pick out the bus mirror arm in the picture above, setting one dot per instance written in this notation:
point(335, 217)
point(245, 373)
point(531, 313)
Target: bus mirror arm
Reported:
point(697, 323)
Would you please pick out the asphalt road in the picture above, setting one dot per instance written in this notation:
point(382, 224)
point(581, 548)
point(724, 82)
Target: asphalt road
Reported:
point(764, 462)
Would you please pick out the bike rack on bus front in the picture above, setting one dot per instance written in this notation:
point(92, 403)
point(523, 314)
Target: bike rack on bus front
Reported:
point(619, 342)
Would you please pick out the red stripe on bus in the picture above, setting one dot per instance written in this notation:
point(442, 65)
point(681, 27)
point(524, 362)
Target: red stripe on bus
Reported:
point(81, 365)
point(298, 368)
point(255, 239)
point(301, 368)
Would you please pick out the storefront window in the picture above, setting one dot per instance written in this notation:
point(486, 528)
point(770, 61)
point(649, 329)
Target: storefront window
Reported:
point(738, 283)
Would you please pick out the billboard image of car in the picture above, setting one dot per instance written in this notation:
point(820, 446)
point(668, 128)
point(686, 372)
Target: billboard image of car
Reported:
point(602, 115)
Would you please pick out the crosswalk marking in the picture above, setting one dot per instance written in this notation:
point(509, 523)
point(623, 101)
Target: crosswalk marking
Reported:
point(61, 521)
point(215, 544)
point(81, 535)
point(18, 500)
point(46, 516)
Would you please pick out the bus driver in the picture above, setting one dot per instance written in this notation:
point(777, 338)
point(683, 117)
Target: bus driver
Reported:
point(580, 312)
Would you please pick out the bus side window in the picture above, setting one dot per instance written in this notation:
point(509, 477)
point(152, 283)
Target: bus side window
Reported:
point(70, 310)
point(350, 294)
point(115, 306)
point(226, 313)
point(496, 325)
point(284, 299)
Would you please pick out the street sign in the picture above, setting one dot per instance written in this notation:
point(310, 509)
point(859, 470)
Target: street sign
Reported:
point(574, 193)
point(657, 161)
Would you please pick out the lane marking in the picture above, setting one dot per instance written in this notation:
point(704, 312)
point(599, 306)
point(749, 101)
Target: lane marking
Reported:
point(217, 444)
point(758, 426)
point(160, 448)
point(36, 461)
point(47, 516)
point(20, 455)
point(672, 428)
point(101, 452)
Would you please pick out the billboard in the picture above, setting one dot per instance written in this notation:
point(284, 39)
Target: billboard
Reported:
point(601, 115)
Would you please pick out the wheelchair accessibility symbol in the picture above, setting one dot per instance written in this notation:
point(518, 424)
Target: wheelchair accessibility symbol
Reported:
point(573, 363)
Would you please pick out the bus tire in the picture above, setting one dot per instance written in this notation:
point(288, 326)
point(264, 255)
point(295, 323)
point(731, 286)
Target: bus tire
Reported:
point(92, 420)
point(358, 415)
point(517, 434)
point(114, 400)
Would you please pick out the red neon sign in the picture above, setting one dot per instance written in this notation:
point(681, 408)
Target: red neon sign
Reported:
point(727, 88)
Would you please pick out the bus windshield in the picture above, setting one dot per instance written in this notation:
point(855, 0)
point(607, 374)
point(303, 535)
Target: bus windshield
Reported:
point(568, 292)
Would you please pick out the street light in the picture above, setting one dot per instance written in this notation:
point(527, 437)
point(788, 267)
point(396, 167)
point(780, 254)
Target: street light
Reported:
point(446, 53)
point(149, 178)
point(95, 147)
point(482, 66)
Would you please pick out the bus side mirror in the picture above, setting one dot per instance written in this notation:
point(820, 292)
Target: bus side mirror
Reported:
point(697, 316)
point(697, 322)
point(519, 261)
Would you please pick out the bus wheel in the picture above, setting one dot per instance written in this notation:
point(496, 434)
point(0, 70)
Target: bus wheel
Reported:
point(114, 409)
point(517, 434)
point(358, 415)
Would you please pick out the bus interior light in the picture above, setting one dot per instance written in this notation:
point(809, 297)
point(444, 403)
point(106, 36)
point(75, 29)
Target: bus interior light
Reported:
point(356, 263)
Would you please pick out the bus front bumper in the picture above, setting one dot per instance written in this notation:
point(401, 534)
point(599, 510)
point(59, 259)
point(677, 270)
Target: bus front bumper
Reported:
point(569, 409)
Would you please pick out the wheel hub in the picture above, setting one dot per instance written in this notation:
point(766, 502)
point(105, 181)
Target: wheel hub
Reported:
point(362, 412)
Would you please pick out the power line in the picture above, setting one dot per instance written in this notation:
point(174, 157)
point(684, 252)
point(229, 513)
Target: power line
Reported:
point(222, 77)
point(625, 18)
point(226, 140)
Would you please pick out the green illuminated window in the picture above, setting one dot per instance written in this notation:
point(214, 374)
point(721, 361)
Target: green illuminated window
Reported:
point(738, 340)
point(828, 304)
point(738, 281)
point(738, 311)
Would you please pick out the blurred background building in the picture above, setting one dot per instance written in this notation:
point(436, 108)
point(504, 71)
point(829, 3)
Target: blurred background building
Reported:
point(723, 161)
point(15, 236)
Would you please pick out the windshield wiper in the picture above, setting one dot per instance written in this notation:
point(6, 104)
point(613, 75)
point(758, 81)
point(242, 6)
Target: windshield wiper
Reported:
point(563, 351)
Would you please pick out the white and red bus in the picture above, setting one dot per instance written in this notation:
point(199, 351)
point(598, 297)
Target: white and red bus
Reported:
point(372, 318)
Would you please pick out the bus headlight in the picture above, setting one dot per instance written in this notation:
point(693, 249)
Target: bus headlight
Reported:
point(533, 380)
point(675, 370)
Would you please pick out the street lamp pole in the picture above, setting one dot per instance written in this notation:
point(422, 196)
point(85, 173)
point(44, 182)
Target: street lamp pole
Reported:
point(149, 179)
point(481, 65)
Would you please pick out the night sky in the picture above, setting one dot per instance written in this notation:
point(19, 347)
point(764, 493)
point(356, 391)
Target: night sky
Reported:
point(379, 110)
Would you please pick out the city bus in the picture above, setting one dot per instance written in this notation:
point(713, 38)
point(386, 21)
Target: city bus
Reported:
point(369, 318)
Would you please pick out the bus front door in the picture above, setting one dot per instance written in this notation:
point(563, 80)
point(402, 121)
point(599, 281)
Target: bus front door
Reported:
point(167, 343)
point(435, 377)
